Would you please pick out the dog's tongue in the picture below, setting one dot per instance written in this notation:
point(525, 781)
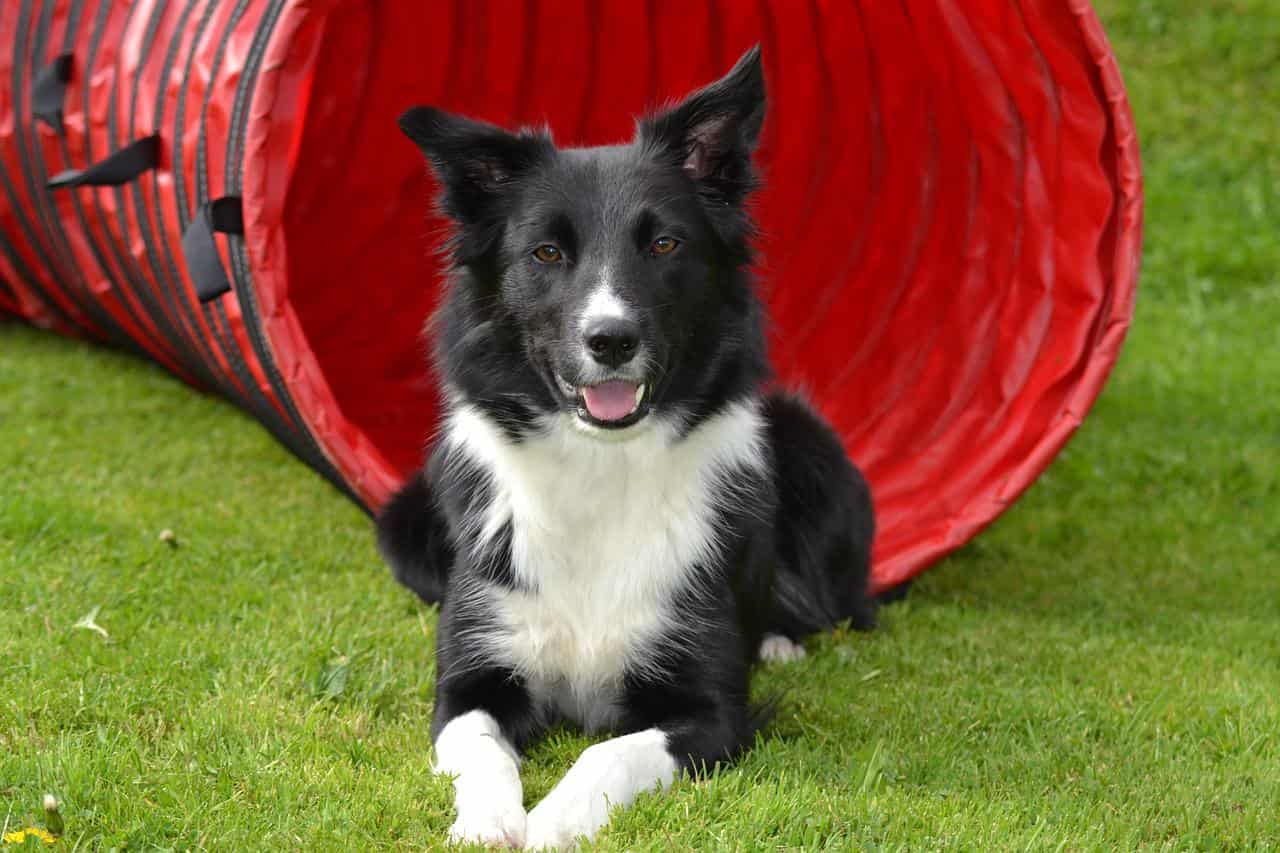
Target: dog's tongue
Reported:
point(610, 401)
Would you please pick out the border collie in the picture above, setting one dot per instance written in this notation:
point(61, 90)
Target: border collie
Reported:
point(617, 518)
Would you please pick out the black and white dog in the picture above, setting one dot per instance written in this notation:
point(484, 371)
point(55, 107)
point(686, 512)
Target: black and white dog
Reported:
point(617, 519)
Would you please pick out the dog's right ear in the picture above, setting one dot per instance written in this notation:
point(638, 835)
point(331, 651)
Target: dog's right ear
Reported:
point(713, 132)
point(474, 161)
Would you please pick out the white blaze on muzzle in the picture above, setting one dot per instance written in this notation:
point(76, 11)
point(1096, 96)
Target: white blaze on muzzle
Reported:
point(603, 303)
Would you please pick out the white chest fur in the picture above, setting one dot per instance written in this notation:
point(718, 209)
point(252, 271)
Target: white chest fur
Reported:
point(604, 532)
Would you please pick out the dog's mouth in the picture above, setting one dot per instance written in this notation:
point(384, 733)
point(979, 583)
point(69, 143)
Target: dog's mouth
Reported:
point(615, 404)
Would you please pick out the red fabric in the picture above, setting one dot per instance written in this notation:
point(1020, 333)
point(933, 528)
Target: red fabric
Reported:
point(951, 224)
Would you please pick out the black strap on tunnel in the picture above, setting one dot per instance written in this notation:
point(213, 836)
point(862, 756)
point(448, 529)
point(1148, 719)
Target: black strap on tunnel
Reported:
point(49, 90)
point(120, 168)
point(198, 246)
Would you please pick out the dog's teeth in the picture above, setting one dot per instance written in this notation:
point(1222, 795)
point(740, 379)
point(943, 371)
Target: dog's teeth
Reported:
point(639, 394)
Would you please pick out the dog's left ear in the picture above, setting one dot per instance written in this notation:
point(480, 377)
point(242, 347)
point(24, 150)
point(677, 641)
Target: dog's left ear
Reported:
point(714, 131)
point(474, 161)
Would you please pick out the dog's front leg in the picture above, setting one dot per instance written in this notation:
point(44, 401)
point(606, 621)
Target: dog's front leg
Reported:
point(607, 775)
point(486, 780)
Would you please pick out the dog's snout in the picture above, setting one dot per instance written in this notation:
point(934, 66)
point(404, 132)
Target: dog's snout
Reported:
point(613, 341)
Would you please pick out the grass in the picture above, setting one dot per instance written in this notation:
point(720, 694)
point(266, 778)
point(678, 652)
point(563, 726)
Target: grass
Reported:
point(1100, 670)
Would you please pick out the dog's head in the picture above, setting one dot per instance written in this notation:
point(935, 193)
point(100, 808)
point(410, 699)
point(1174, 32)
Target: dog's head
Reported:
point(608, 283)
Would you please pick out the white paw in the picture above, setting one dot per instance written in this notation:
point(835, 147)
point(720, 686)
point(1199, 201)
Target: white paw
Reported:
point(606, 776)
point(496, 828)
point(557, 825)
point(776, 647)
point(579, 805)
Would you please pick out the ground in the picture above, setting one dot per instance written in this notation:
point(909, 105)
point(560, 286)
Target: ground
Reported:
point(1101, 669)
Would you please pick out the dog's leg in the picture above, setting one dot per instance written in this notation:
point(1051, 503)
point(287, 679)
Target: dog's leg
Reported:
point(486, 780)
point(607, 775)
point(613, 773)
point(825, 526)
point(483, 716)
point(413, 538)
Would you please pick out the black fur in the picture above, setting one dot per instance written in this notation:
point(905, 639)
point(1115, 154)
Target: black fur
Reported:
point(413, 537)
point(824, 527)
point(795, 542)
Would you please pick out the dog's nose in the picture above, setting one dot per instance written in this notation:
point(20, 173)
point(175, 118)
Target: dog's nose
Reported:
point(613, 340)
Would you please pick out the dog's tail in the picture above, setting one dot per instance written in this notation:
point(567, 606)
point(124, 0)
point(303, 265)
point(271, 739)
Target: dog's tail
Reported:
point(414, 540)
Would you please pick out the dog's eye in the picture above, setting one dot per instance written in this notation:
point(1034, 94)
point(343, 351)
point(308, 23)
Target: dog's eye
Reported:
point(547, 254)
point(663, 245)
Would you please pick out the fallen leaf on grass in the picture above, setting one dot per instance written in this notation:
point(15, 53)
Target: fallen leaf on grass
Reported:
point(332, 680)
point(88, 623)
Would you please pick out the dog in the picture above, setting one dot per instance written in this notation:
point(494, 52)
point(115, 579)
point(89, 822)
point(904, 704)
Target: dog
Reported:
point(619, 515)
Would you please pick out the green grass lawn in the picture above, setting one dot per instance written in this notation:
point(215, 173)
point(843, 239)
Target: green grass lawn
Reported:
point(1099, 670)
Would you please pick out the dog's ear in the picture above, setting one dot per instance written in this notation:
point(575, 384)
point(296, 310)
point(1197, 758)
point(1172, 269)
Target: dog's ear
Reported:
point(714, 131)
point(473, 161)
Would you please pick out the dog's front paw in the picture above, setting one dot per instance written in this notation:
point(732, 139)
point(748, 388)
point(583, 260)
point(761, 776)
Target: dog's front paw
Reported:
point(556, 826)
point(490, 827)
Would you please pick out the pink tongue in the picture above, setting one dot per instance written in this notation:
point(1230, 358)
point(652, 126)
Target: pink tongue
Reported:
point(610, 401)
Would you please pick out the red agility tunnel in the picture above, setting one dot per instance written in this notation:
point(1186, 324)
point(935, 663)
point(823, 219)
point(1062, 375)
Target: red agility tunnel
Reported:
point(951, 223)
